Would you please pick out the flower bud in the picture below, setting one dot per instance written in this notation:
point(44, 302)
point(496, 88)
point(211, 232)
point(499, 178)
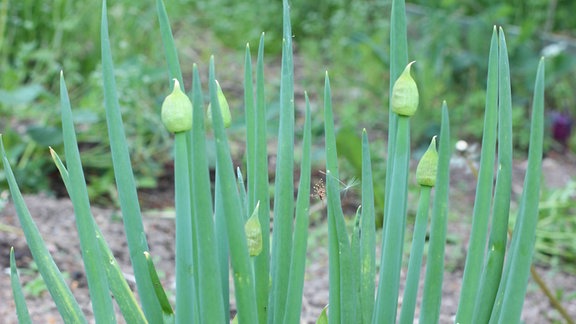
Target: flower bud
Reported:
point(405, 94)
point(224, 109)
point(428, 166)
point(254, 233)
point(177, 111)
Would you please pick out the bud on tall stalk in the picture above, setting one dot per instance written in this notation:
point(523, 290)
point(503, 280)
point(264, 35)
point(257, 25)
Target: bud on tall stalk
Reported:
point(224, 108)
point(405, 94)
point(177, 111)
point(428, 166)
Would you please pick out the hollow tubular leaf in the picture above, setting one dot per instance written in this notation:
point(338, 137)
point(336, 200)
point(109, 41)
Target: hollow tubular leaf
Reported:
point(91, 254)
point(259, 181)
point(398, 61)
point(209, 281)
point(500, 212)
point(21, 308)
point(123, 295)
point(342, 286)
point(367, 236)
point(67, 306)
point(243, 276)
point(124, 176)
point(483, 200)
point(524, 235)
point(299, 243)
point(284, 182)
point(160, 294)
point(169, 46)
point(432, 296)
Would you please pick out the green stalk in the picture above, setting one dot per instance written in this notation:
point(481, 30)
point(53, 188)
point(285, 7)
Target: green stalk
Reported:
point(208, 276)
point(416, 252)
point(367, 236)
point(393, 242)
point(67, 306)
point(522, 245)
point(243, 277)
point(299, 243)
point(482, 203)
point(398, 61)
point(342, 296)
point(432, 296)
point(184, 274)
point(261, 193)
point(124, 176)
point(91, 255)
point(499, 232)
point(117, 283)
point(284, 182)
point(19, 300)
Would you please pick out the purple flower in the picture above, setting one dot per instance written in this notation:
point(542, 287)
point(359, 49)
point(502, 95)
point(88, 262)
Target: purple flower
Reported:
point(561, 127)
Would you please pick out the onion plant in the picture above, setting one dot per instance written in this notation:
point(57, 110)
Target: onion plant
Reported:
point(226, 232)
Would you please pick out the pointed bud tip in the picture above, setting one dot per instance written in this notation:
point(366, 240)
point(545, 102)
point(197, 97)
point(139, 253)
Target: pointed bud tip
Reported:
point(404, 101)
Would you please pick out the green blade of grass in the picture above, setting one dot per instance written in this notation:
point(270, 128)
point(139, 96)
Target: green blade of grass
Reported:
point(367, 236)
point(482, 203)
point(169, 46)
point(67, 306)
point(393, 242)
point(209, 277)
point(91, 254)
point(342, 293)
point(19, 300)
point(522, 245)
point(124, 176)
point(398, 61)
point(243, 276)
point(499, 232)
point(284, 182)
point(432, 296)
point(184, 263)
point(261, 192)
point(416, 252)
point(299, 243)
point(117, 283)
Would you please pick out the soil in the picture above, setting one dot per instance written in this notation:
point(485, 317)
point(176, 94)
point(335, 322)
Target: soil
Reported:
point(55, 219)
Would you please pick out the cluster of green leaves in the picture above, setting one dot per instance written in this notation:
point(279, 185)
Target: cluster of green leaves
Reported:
point(556, 238)
point(211, 239)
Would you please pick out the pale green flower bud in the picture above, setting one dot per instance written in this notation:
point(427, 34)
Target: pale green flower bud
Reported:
point(254, 233)
point(405, 94)
point(428, 166)
point(177, 111)
point(224, 109)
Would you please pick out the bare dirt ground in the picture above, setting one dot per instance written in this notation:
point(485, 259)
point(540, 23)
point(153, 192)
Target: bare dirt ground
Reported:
point(55, 220)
